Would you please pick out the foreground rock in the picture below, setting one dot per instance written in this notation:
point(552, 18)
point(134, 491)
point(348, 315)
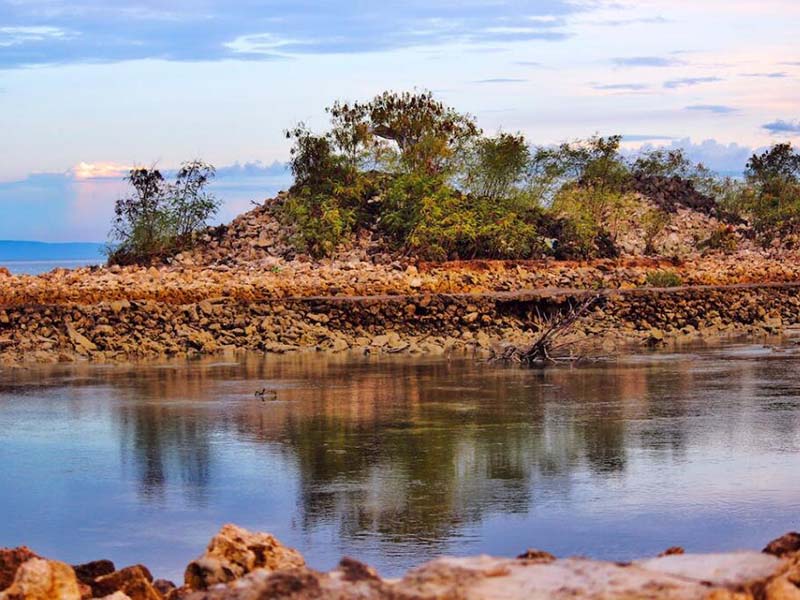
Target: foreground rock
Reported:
point(234, 552)
point(240, 565)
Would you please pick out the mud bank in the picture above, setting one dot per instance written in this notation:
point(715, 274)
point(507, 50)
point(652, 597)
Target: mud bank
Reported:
point(240, 565)
point(432, 323)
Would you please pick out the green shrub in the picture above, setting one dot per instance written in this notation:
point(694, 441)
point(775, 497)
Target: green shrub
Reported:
point(321, 223)
point(653, 223)
point(663, 279)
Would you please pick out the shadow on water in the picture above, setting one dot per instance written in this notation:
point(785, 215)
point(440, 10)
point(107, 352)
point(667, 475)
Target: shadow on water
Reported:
point(398, 460)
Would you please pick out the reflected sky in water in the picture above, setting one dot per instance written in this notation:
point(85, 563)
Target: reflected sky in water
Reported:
point(395, 461)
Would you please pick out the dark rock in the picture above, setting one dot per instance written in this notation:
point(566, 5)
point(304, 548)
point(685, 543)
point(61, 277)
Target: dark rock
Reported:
point(788, 543)
point(10, 561)
point(90, 571)
point(134, 581)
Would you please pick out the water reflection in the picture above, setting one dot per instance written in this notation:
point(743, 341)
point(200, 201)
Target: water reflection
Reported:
point(398, 460)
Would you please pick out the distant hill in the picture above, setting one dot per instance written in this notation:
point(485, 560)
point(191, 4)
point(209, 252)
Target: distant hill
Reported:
point(44, 251)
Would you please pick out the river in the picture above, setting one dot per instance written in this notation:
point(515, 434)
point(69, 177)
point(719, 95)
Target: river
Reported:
point(398, 460)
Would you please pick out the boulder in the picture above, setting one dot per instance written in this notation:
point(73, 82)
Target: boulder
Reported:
point(234, 552)
point(534, 576)
point(88, 572)
point(10, 560)
point(785, 545)
point(40, 579)
point(136, 582)
point(78, 340)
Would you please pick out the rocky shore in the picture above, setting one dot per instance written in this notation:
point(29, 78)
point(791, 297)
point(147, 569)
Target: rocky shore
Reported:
point(240, 565)
point(244, 288)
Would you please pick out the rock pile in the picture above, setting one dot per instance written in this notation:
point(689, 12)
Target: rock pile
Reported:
point(240, 565)
point(672, 193)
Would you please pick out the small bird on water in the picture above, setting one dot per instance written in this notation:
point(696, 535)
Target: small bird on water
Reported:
point(264, 393)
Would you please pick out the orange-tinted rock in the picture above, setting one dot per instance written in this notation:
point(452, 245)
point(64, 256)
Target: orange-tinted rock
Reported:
point(234, 552)
point(135, 582)
point(786, 544)
point(40, 579)
point(536, 555)
point(10, 561)
point(90, 571)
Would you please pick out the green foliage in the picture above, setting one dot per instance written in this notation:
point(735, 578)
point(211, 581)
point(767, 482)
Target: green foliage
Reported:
point(663, 279)
point(772, 196)
point(653, 223)
point(495, 168)
point(160, 218)
point(320, 221)
point(596, 217)
point(661, 163)
point(454, 230)
point(422, 174)
point(593, 164)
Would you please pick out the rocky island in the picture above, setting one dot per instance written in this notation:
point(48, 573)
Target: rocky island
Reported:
point(408, 230)
point(244, 287)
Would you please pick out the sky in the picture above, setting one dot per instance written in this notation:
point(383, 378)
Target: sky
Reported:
point(89, 88)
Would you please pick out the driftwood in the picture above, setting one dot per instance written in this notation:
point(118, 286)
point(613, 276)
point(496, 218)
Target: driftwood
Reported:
point(544, 350)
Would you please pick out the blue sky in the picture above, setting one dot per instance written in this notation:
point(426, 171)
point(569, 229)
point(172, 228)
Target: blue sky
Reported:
point(89, 88)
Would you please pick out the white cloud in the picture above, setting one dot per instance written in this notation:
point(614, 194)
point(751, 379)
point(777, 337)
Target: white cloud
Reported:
point(15, 36)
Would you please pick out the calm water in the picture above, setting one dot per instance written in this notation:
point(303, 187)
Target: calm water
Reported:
point(397, 461)
point(37, 267)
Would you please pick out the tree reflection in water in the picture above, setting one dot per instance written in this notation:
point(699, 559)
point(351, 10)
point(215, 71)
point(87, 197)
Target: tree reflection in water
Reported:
point(415, 449)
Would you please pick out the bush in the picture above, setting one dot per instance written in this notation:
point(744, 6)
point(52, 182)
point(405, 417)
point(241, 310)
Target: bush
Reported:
point(653, 223)
point(161, 218)
point(596, 217)
point(663, 279)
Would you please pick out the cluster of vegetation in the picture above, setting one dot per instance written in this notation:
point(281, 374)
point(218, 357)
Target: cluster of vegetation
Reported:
point(161, 218)
point(429, 180)
point(663, 279)
point(769, 195)
point(426, 179)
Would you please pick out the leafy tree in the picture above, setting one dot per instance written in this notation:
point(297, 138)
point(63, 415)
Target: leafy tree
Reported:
point(777, 166)
point(772, 196)
point(424, 132)
point(595, 164)
point(191, 205)
point(496, 167)
point(662, 163)
point(160, 218)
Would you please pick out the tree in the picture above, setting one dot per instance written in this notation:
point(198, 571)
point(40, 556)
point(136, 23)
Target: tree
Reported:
point(593, 164)
point(191, 205)
point(160, 218)
point(778, 166)
point(772, 196)
point(662, 163)
point(424, 131)
point(496, 166)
